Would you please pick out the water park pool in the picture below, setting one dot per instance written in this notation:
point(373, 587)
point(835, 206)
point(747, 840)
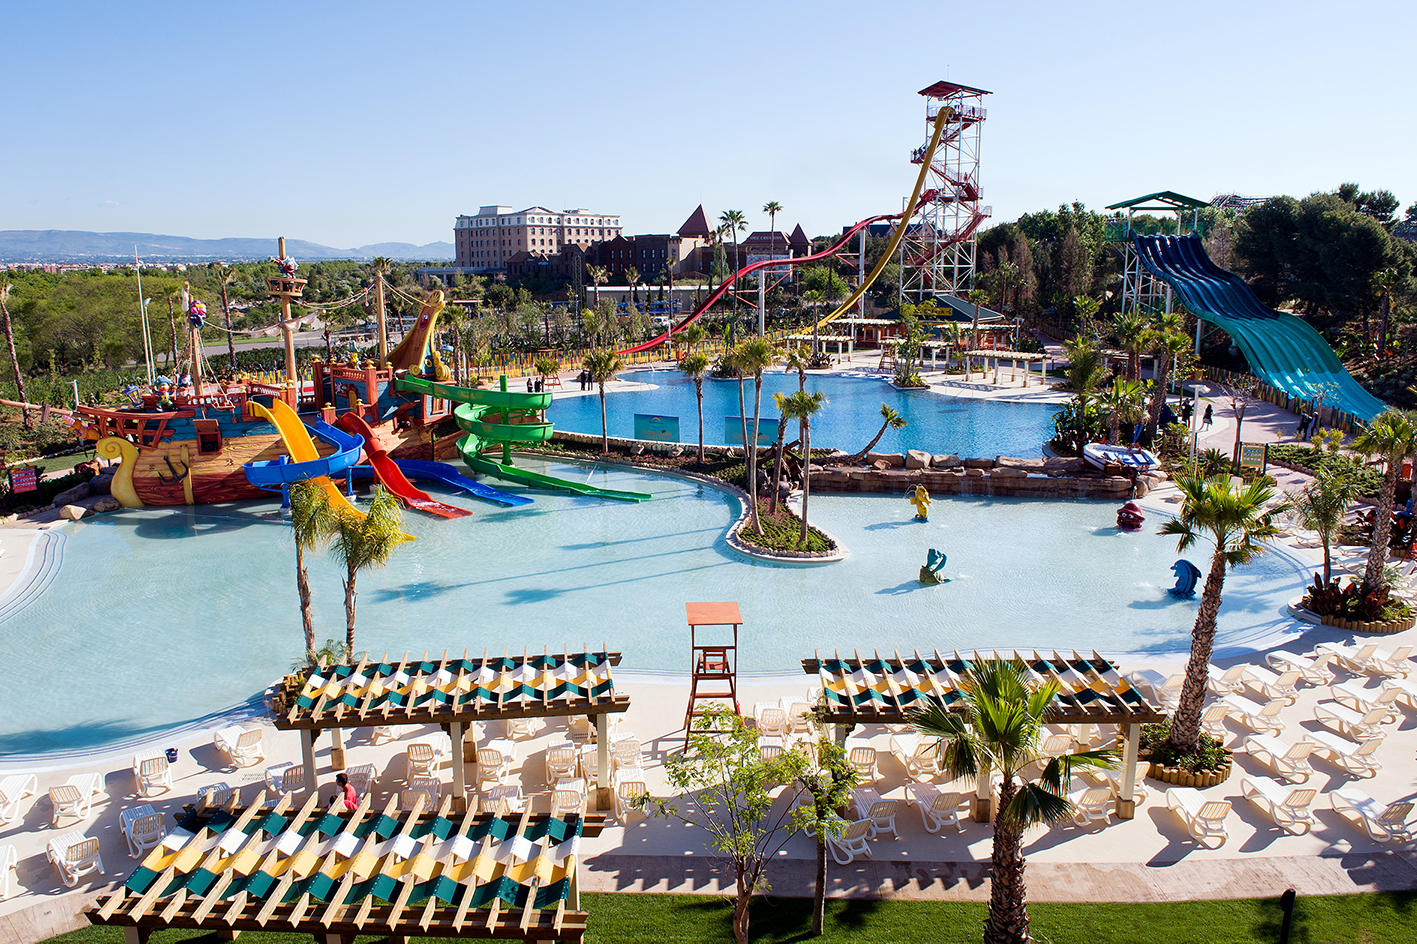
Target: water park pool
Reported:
point(936, 423)
point(156, 617)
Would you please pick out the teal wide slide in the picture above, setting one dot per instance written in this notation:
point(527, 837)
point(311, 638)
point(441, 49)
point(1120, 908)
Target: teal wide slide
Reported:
point(1283, 350)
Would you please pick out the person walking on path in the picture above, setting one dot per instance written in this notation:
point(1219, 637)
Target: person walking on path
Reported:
point(1209, 415)
point(1187, 408)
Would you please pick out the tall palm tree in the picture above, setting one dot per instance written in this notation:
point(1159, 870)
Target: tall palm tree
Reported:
point(814, 297)
point(998, 728)
point(1085, 369)
point(777, 399)
point(802, 406)
point(1321, 507)
point(1238, 524)
point(977, 297)
point(890, 420)
point(312, 524)
point(598, 275)
point(734, 221)
point(1391, 436)
point(730, 363)
point(755, 355)
point(1172, 344)
point(602, 364)
point(1124, 403)
point(798, 359)
point(772, 208)
point(14, 357)
point(362, 544)
point(693, 367)
point(1386, 283)
point(1131, 331)
point(632, 279)
point(225, 275)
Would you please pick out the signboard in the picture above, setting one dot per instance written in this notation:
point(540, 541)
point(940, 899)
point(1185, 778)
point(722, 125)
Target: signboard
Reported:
point(24, 479)
point(733, 431)
point(656, 428)
point(1254, 456)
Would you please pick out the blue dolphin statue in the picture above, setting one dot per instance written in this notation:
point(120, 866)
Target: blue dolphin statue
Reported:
point(1186, 576)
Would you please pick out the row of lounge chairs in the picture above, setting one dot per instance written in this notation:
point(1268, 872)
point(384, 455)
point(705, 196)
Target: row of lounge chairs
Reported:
point(1290, 808)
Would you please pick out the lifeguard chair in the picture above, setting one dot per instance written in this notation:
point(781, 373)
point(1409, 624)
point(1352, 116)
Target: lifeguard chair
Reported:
point(714, 673)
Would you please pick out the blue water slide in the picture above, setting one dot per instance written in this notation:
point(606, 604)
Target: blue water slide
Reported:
point(421, 470)
point(276, 473)
point(1283, 350)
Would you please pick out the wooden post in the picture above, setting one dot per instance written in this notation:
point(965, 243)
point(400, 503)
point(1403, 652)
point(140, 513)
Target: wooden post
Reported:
point(455, 731)
point(337, 749)
point(287, 333)
point(307, 757)
point(603, 791)
point(379, 318)
point(983, 806)
point(1126, 798)
point(136, 935)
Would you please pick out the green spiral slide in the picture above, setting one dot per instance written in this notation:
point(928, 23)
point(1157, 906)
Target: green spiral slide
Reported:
point(487, 417)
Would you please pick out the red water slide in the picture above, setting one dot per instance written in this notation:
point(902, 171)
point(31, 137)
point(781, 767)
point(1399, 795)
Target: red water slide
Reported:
point(726, 286)
point(389, 475)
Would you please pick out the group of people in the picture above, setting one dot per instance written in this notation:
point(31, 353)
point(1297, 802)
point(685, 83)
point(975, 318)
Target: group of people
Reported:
point(1308, 425)
point(1188, 409)
point(533, 386)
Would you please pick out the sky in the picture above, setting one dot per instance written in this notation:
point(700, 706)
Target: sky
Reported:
point(352, 123)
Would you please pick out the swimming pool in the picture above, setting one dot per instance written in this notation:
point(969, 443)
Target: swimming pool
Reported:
point(160, 616)
point(936, 423)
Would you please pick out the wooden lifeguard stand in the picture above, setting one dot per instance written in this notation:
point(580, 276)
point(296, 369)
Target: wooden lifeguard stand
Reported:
point(714, 673)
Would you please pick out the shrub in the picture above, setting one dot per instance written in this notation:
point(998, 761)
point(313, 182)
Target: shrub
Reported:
point(1209, 755)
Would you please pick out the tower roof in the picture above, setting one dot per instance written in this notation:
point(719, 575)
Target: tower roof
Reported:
point(798, 238)
point(946, 89)
point(697, 224)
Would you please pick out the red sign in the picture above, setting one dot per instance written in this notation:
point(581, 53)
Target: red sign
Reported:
point(24, 480)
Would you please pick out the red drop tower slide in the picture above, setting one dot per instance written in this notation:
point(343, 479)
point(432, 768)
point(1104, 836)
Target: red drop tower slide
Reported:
point(389, 475)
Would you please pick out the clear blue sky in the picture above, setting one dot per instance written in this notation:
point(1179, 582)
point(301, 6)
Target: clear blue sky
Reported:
point(350, 123)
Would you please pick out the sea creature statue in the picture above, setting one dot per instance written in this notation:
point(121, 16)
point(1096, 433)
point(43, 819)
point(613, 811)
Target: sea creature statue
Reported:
point(921, 501)
point(1186, 576)
point(934, 563)
point(1129, 517)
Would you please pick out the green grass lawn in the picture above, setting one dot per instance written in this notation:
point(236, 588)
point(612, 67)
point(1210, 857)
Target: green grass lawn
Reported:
point(628, 919)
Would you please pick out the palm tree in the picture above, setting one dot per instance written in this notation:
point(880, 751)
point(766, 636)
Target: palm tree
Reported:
point(1386, 283)
point(891, 420)
point(1321, 507)
point(814, 297)
point(602, 365)
point(225, 275)
point(14, 357)
point(1085, 369)
point(772, 208)
point(546, 367)
point(977, 297)
point(799, 359)
point(754, 356)
point(1173, 345)
point(1391, 436)
point(632, 279)
point(1131, 330)
point(1124, 402)
point(802, 406)
point(312, 523)
point(998, 728)
point(365, 543)
point(693, 367)
point(1238, 524)
point(693, 335)
point(733, 221)
point(777, 399)
point(599, 275)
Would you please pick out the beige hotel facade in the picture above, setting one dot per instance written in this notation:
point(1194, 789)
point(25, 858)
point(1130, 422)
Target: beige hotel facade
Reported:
point(497, 233)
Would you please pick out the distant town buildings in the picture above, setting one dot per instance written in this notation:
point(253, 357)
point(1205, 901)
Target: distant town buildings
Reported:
point(488, 241)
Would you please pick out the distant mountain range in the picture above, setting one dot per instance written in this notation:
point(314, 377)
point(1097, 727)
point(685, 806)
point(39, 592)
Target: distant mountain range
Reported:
point(59, 246)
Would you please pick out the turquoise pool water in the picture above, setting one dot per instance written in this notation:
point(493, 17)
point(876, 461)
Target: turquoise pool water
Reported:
point(936, 423)
point(161, 616)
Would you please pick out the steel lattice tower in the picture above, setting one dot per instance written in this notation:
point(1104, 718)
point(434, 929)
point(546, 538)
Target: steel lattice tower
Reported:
point(937, 252)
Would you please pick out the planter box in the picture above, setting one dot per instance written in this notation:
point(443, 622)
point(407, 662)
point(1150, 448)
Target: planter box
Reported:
point(1200, 779)
point(1384, 628)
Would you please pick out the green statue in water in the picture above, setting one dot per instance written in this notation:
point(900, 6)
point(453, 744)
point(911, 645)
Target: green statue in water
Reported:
point(934, 563)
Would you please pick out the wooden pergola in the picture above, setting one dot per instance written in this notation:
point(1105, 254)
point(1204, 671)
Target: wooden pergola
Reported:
point(337, 874)
point(453, 692)
point(890, 689)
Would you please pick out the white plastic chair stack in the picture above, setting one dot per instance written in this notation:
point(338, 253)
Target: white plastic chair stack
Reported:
point(13, 789)
point(74, 856)
point(1290, 761)
point(151, 771)
point(938, 808)
point(75, 796)
point(1381, 823)
point(1204, 819)
point(1288, 807)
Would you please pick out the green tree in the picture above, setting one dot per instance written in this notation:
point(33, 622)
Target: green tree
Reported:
point(827, 781)
point(890, 419)
point(977, 297)
point(693, 366)
point(1238, 524)
point(225, 275)
point(754, 356)
point(1173, 347)
point(1321, 507)
point(364, 543)
point(1123, 402)
point(632, 279)
point(998, 727)
point(14, 357)
point(598, 276)
point(1386, 283)
point(546, 367)
point(733, 223)
point(1391, 437)
point(1086, 367)
point(312, 524)
point(1131, 330)
point(802, 406)
point(602, 364)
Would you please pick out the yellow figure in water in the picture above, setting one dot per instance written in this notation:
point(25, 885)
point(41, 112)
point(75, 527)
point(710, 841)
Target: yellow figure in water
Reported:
point(921, 501)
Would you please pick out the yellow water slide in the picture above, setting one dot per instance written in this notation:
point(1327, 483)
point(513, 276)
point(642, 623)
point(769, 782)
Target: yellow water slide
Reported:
point(302, 448)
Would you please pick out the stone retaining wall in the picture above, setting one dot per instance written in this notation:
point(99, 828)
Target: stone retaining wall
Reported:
point(1003, 476)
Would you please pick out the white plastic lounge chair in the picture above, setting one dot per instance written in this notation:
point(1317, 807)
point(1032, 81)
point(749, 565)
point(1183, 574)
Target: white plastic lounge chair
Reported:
point(626, 793)
point(1112, 780)
point(870, 805)
point(919, 756)
point(143, 828)
point(74, 856)
point(938, 807)
point(502, 800)
point(799, 715)
point(151, 771)
point(1381, 823)
point(1164, 690)
point(218, 795)
point(241, 746)
point(9, 862)
point(427, 787)
point(1290, 761)
point(1204, 819)
point(75, 796)
point(851, 843)
point(1358, 758)
point(422, 760)
point(769, 749)
point(362, 778)
point(771, 719)
point(1092, 804)
point(1397, 662)
point(862, 758)
point(13, 789)
point(1213, 720)
point(1274, 685)
point(560, 762)
point(1259, 717)
point(567, 802)
point(627, 754)
point(1353, 694)
point(1227, 681)
point(1359, 726)
point(1406, 691)
point(1287, 806)
point(285, 778)
point(1352, 658)
point(494, 763)
point(1315, 671)
point(521, 727)
point(382, 733)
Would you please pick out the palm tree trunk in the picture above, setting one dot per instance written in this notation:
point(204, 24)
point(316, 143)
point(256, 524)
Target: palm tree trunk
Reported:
point(604, 429)
point(699, 392)
point(1008, 896)
point(230, 338)
point(1186, 721)
point(1328, 570)
point(806, 474)
point(1382, 526)
point(349, 596)
point(743, 422)
point(857, 457)
point(302, 586)
point(753, 454)
point(1163, 378)
point(777, 465)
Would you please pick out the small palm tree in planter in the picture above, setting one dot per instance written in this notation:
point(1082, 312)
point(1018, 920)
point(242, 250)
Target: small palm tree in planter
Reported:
point(1321, 507)
point(1392, 436)
point(602, 365)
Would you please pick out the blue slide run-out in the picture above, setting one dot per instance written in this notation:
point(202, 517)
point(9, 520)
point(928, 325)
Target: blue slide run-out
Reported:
point(1283, 350)
point(421, 470)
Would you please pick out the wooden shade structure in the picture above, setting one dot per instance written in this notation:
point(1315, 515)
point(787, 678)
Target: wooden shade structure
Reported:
point(337, 874)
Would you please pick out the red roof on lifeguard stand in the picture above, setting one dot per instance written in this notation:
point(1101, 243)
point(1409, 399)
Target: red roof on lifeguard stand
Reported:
point(713, 614)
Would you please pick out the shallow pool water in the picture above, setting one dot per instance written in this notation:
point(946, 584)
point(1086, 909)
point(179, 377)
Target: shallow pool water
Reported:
point(161, 616)
point(936, 423)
